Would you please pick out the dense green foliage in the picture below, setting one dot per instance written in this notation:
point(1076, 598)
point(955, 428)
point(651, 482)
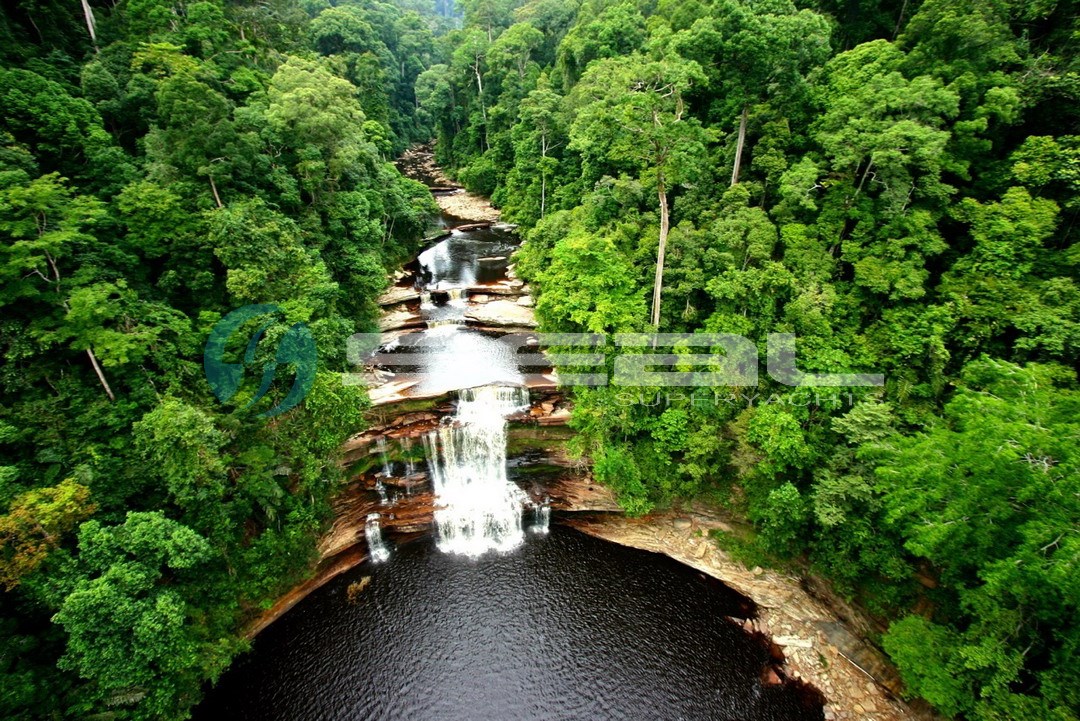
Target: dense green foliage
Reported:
point(188, 159)
point(893, 182)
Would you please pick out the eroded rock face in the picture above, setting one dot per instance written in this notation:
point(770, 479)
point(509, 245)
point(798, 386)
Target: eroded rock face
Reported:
point(399, 294)
point(400, 319)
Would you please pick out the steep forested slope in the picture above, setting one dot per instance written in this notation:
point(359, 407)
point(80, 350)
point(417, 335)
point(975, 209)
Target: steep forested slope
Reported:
point(895, 184)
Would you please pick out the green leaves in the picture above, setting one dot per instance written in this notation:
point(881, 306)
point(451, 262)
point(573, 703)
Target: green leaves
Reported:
point(266, 260)
point(131, 631)
point(44, 221)
point(589, 287)
point(923, 652)
point(35, 524)
point(989, 496)
point(1009, 234)
point(906, 206)
point(631, 115)
point(193, 163)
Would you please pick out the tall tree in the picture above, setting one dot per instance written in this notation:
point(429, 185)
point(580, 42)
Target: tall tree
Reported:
point(632, 115)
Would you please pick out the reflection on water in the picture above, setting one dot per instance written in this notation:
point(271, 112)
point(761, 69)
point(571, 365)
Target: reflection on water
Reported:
point(467, 258)
point(566, 627)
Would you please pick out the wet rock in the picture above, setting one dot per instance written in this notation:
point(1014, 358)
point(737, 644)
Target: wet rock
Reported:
point(793, 642)
point(472, 226)
point(559, 418)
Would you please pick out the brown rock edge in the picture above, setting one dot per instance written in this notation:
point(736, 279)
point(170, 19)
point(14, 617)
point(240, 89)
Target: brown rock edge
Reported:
point(816, 647)
point(325, 573)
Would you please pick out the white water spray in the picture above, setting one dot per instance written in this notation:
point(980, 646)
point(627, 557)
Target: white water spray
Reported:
point(541, 519)
point(373, 533)
point(478, 508)
point(384, 456)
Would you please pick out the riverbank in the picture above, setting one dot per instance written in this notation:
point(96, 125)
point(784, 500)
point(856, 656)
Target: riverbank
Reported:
point(818, 648)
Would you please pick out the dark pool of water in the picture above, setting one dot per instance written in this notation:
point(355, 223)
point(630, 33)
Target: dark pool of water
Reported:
point(567, 627)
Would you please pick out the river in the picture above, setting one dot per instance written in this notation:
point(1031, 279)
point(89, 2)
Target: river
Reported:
point(495, 615)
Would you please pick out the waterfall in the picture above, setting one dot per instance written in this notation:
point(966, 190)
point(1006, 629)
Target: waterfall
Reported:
point(384, 456)
point(406, 450)
point(373, 533)
point(477, 508)
point(541, 519)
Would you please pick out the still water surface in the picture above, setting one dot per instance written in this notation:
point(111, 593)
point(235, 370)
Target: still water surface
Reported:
point(565, 627)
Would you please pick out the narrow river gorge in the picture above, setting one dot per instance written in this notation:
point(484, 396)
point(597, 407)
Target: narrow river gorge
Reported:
point(474, 571)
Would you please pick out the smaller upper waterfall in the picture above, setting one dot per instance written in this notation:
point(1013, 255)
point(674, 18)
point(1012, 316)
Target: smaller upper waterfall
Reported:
point(541, 519)
point(410, 464)
point(384, 455)
point(478, 508)
point(373, 533)
point(387, 470)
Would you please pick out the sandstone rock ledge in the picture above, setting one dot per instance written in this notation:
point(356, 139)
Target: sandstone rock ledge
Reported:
point(804, 628)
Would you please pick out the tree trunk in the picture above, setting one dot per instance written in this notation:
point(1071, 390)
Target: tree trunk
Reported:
point(739, 147)
point(543, 192)
point(900, 20)
point(480, 96)
point(100, 374)
point(91, 25)
point(213, 187)
point(543, 174)
point(658, 282)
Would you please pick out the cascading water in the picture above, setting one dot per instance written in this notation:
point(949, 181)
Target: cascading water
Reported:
point(541, 519)
point(478, 508)
point(410, 464)
point(373, 533)
point(384, 456)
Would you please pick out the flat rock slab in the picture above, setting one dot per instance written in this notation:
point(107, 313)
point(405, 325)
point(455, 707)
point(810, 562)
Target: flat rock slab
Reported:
point(467, 207)
point(502, 287)
point(399, 294)
point(501, 313)
point(399, 319)
point(472, 226)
